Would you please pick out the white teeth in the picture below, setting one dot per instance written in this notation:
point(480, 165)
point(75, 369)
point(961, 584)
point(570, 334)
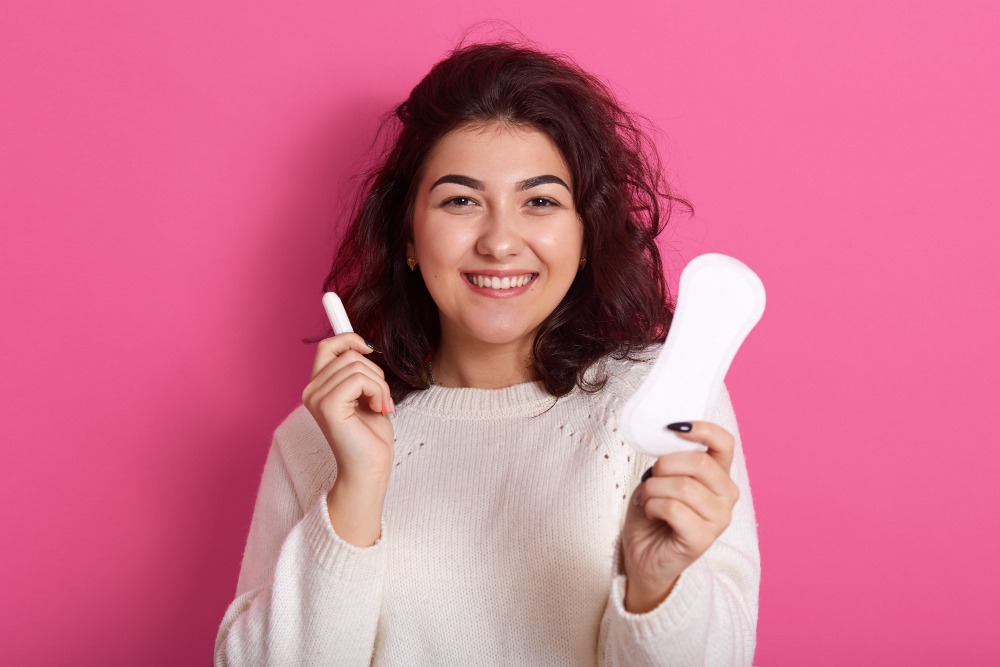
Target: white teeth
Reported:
point(493, 282)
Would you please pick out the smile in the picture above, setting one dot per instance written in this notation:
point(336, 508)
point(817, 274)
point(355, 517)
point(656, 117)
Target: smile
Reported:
point(494, 282)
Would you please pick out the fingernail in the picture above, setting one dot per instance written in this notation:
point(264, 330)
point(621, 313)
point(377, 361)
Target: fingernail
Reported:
point(637, 498)
point(646, 475)
point(392, 406)
point(374, 349)
point(683, 427)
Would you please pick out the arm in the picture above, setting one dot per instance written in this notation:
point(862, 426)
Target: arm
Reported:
point(304, 596)
point(311, 583)
point(710, 614)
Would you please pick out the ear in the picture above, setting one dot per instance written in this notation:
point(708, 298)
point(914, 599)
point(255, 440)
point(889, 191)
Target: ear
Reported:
point(410, 250)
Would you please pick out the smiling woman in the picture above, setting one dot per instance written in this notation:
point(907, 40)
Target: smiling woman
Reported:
point(503, 259)
point(617, 304)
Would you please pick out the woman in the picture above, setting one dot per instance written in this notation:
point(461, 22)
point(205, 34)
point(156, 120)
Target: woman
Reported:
point(455, 491)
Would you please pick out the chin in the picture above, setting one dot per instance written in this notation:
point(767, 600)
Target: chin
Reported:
point(501, 335)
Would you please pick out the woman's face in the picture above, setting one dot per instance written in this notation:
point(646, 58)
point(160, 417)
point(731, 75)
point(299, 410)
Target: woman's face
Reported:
point(495, 233)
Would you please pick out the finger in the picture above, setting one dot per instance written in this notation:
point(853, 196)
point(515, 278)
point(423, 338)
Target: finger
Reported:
point(336, 373)
point(339, 397)
point(708, 505)
point(344, 360)
point(329, 349)
point(719, 441)
point(691, 530)
point(702, 466)
point(329, 378)
point(332, 347)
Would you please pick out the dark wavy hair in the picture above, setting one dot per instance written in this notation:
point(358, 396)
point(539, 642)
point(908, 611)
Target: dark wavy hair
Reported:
point(618, 305)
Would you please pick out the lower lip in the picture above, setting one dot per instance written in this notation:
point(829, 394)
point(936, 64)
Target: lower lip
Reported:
point(508, 293)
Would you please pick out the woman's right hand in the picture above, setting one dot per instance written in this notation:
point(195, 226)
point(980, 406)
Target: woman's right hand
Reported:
point(349, 399)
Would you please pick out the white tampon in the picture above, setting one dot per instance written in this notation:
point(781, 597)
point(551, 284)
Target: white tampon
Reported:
point(335, 311)
point(719, 301)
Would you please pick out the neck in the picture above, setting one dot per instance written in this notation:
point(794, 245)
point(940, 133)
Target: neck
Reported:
point(481, 365)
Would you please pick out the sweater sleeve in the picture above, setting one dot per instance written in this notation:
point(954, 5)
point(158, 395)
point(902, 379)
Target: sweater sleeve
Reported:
point(710, 617)
point(304, 596)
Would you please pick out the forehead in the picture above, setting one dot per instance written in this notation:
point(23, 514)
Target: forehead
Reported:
point(495, 151)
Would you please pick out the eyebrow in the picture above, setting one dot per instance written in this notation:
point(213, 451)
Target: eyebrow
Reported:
point(526, 184)
point(460, 180)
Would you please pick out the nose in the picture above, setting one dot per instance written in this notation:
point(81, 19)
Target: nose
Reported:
point(500, 236)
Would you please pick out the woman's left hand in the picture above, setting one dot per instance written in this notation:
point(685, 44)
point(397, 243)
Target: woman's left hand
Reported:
point(676, 515)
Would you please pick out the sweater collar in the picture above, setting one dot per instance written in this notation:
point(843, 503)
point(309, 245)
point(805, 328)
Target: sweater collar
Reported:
point(461, 403)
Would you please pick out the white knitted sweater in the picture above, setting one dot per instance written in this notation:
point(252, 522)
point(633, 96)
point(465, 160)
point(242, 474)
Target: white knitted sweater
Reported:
point(498, 546)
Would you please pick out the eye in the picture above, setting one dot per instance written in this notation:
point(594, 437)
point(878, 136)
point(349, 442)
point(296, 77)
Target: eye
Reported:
point(541, 202)
point(458, 202)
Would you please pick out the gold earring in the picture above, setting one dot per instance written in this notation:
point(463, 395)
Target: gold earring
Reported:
point(583, 263)
point(412, 263)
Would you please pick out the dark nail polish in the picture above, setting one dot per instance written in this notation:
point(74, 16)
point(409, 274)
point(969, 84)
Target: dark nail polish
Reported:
point(683, 427)
point(374, 349)
point(646, 475)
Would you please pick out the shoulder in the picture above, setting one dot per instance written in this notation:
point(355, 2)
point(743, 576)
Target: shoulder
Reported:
point(624, 374)
point(297, 427)
point(306, 454)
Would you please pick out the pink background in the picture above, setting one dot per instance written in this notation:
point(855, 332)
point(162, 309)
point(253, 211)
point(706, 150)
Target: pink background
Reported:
point(170, 175)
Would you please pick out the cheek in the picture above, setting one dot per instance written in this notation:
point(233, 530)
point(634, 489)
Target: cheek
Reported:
point(562, 251)
point(438, 242)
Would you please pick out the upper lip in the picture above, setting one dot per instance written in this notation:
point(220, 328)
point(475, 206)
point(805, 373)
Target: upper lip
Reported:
point(506, 273)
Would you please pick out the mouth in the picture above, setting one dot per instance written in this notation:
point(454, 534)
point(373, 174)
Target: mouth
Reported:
point(498, 283)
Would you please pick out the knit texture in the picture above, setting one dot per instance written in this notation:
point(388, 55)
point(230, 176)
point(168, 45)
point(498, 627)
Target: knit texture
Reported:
point(499, 545)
